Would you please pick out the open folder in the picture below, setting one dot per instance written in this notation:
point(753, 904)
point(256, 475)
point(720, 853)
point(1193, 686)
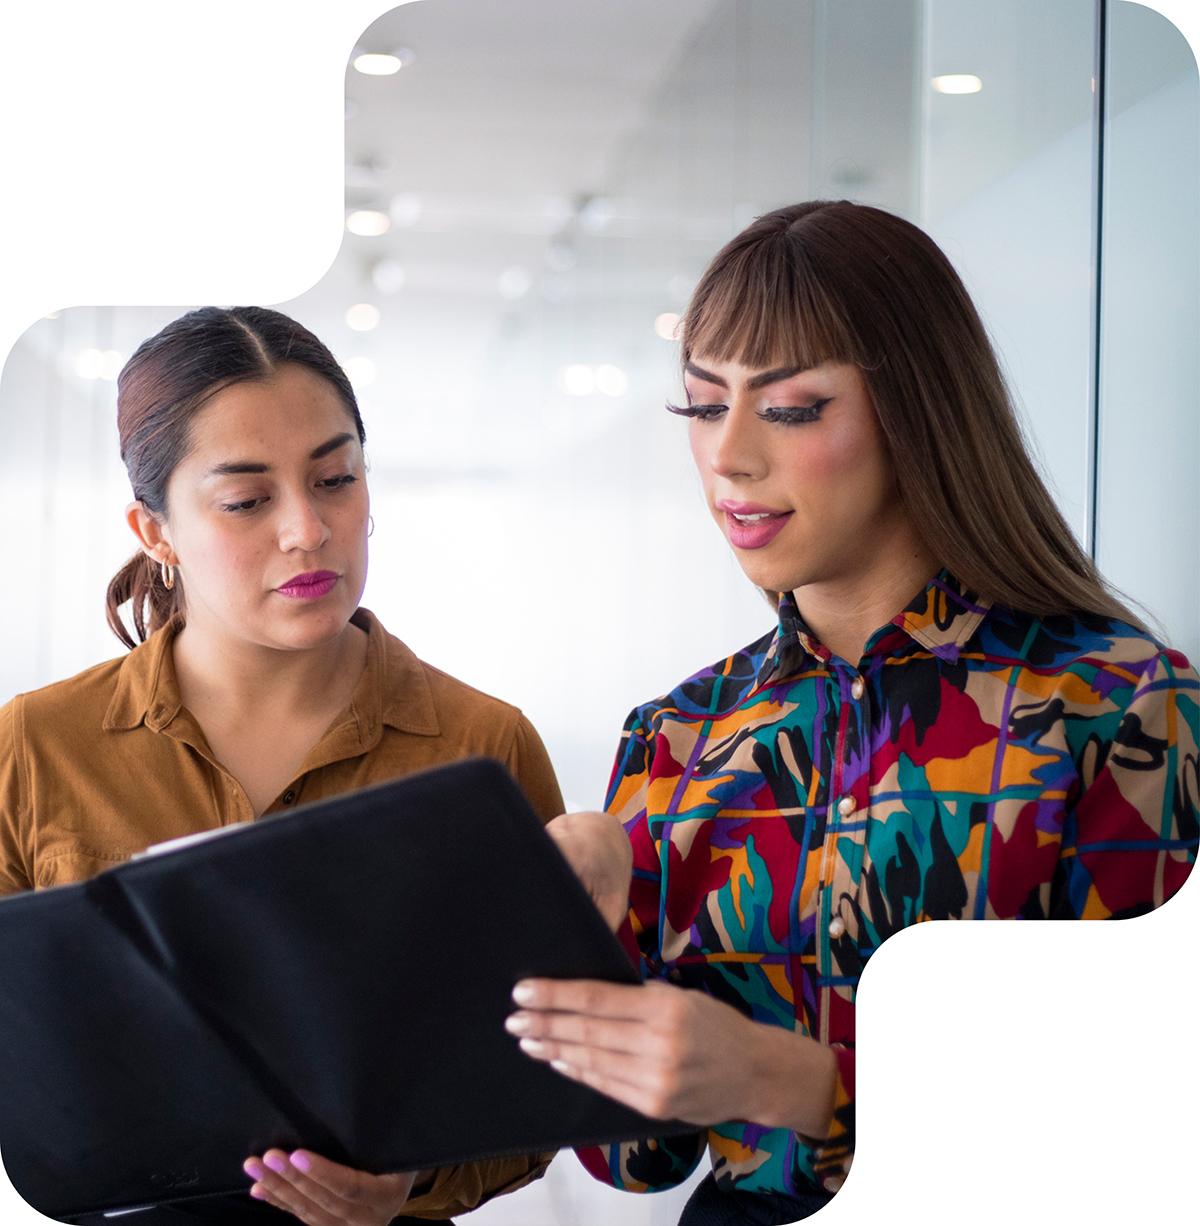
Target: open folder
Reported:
point(336, 978)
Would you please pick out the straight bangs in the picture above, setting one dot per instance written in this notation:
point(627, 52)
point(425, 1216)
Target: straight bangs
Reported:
point(761, 306)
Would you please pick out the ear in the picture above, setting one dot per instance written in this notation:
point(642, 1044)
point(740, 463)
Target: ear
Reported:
point(151, 533)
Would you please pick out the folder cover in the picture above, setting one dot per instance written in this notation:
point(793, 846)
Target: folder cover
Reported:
point(336, 978)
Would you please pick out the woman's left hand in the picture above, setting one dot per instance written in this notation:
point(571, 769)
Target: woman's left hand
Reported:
point(672, 1052)
point(324, 1193)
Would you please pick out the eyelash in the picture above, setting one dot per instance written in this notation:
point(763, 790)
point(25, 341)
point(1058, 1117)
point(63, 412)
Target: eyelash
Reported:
point(790, 415)
point(332, 484)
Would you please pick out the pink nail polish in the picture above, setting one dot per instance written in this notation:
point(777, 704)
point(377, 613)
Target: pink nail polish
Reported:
point(258, 1193)
point(253, 1169)
point(301, 1161)
point(278, 1165)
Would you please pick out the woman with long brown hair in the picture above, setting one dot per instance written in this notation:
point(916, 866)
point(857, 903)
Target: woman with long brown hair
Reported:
point(954, 717)
point(254, 682)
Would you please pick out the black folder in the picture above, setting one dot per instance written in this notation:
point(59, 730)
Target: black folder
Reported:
point(336, 978)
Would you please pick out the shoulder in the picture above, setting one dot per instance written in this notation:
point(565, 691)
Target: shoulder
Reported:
point(713, 692)
point(418, 697)
point(79, 701)
point(1115, 659)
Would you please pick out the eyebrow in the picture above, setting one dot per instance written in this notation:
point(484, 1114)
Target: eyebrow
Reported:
point(235, 467)
point(768, 376)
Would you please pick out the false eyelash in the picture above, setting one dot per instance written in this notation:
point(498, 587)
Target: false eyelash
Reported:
point(702, 411)
point(796, 414)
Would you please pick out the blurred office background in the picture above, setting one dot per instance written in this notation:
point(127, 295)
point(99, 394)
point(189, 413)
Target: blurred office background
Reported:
point(532, 190)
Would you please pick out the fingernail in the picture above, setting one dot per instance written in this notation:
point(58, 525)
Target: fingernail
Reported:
point(561, 1066)
point(523, 994)
point(258, 1193)
point(517, 1023)
point(301, 1161)
point(278, 1165)
point(253, 1169)
point(533, 1047)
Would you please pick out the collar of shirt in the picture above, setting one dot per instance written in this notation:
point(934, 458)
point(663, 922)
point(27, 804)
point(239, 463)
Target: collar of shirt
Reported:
point(392, 691)
point(941, 618)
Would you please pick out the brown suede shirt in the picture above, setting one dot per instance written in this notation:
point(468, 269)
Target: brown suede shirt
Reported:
point(98, 767)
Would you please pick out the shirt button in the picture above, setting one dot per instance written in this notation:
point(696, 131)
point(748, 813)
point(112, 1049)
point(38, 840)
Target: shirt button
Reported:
point(834, 1183)
point(846, 805)
point(856, 688)
point(288, 796)
point(836, 927)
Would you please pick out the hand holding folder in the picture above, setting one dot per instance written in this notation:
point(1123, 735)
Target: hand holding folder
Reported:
point(335, 980)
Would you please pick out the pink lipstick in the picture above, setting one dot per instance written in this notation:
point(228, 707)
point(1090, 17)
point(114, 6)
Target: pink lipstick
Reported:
point(310, 586)
point(750, 525)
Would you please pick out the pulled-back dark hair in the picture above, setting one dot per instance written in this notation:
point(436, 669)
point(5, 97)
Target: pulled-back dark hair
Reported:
point(831, 281)
point(159, 392)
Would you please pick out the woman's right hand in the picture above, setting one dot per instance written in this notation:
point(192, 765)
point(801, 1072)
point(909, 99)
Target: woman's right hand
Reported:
point(597, 848)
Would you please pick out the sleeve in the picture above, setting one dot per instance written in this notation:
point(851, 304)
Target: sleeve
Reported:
point(1129, 840)
point(530, 766)
point(459, 1189)
point(13, 872)
point(657, 1163)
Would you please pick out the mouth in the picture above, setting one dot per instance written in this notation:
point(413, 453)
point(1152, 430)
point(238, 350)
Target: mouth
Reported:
point(309, 586)
point(750, 525)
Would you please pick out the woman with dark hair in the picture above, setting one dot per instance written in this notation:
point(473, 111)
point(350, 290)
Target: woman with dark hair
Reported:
point(954, 717)
point(255, 680)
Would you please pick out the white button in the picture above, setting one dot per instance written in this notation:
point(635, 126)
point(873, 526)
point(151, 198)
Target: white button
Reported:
point(846, 805)
point(856, 688)
point(836, 927)
point(834, 1183)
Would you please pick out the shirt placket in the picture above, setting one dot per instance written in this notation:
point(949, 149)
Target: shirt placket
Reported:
point(845, 820)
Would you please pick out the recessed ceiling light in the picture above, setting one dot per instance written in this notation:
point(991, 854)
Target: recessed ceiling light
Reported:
point(611, 380)
point(665, 325)
point(362, 317)
point(367, 222)
point(377, 65)
point(959, 83)
point(360, 372)
point(577, 380)
point(98, 364)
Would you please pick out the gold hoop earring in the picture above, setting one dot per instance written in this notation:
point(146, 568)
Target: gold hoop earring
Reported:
point(168, 576)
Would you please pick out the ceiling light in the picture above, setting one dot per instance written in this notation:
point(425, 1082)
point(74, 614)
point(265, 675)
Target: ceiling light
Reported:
point(360, 372)
point(388, 276)
point(666, 325)
point(362, 317)
point(514, 282)
point(377, 65)
point(98, 364)
point(611, 380)
point(559, 258)
point(957, 84)
point(367, 222)
point(577, 380)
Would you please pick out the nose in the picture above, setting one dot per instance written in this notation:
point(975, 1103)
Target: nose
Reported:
point(302, 526)
point(737, 451)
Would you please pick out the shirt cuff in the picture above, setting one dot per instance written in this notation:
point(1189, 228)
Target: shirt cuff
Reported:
point(459, 1189)
point(832, 1158)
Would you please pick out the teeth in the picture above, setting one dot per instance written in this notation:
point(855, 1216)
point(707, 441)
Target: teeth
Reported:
point(751, 519)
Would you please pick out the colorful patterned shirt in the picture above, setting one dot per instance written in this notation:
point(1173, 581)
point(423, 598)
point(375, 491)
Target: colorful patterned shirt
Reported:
point(789, 812)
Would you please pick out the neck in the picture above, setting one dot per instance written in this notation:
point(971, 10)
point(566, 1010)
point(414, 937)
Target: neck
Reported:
point(244, 680)
point(845, 612)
